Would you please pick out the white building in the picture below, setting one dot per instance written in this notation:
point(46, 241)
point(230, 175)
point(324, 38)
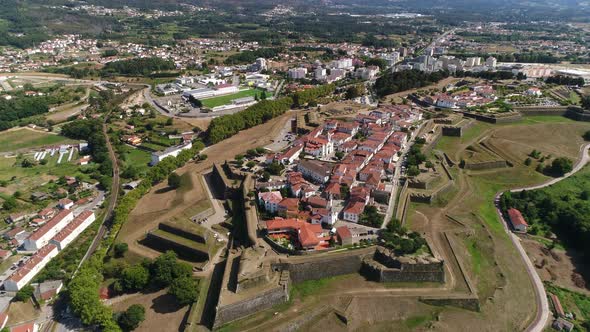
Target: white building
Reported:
point(42, 235)
point(345, 63)
point(491, 62)
point(297, 73)
point(172, 151)
point(270, 200)
point(73, 229)
point(473, 62)
point(261, 64)
point(314, 170)
point(320, 73)
point(25, 273)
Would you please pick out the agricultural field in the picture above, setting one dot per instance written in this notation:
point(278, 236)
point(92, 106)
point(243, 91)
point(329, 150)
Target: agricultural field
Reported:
point(224, 100)
point(26, 138)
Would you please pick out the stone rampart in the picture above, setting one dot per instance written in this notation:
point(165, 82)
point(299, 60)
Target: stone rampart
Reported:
point(384, 266)
point(485, 165)
point(251, 305)
point(180, 231)
point(160, 243)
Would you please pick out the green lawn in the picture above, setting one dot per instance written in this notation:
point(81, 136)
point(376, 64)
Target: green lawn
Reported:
point(223, 100)
point(27, 139)
point(137, 157)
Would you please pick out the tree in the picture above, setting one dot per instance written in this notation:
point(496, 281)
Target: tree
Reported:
point(24, 293)
point(120, 249)
point(169, 122)
point(185, 289)
point(275, 168)
point(130, 319)
point(174, 180)
point(203, 156)
point(263, 95)
point(9, 204)
point(27, 163)
point(250, 164)
point(166, 268)
point(339, 155)
point(135, 277)
point(528, 161)
point(561, 166)
point(587, 136)
point(265, 176)
point(413, 171)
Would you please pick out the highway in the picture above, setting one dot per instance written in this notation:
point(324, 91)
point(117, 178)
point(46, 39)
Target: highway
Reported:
point(543, 312)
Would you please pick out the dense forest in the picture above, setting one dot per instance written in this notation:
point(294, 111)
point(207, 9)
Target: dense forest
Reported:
point(565, 80)
point(20, 108)
point(137, 66)
point(406, 80)
point(563, 209)
point(251, 56)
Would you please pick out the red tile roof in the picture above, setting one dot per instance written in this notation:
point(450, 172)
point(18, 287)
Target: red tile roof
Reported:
point(272, 196)
point(516, 217)
point(50, 224)
point(26, 327)
point(31, 263)
point(72, 226)
point(343, 232)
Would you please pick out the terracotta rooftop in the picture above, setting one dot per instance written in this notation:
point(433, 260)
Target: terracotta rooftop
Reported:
point(72, 226)
point(31, 263)
point(50, 224)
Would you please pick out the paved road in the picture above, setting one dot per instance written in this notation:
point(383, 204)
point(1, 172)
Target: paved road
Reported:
point(543, 313)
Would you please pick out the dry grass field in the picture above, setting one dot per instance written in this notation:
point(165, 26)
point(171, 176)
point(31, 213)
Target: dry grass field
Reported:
point(162, 313)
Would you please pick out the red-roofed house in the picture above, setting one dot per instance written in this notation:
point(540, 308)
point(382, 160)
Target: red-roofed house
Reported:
point(30, 268)
point(517, 220)
point(308, 236)
point(26, 327)
point(353, 210)
point(42, 235)
point(4, 254)
point(46, 213)
point(344, 236)
point(73, 229)
point(65, 203)
point(288, 206)
point(270, 200)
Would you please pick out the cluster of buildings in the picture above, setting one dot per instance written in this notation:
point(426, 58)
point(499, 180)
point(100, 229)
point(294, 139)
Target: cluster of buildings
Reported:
point(474, 96)
point(334, 70)
point(320, 190)
point(430, 63)
point(46, 242)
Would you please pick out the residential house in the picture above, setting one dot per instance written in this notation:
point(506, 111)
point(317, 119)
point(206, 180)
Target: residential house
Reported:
point(270, 200)
point(517, 220)
point(353, 210)
point(288, 207)
point(314, 170)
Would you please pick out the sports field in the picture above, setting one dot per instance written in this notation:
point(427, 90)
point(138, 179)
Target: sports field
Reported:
point(224, 100)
